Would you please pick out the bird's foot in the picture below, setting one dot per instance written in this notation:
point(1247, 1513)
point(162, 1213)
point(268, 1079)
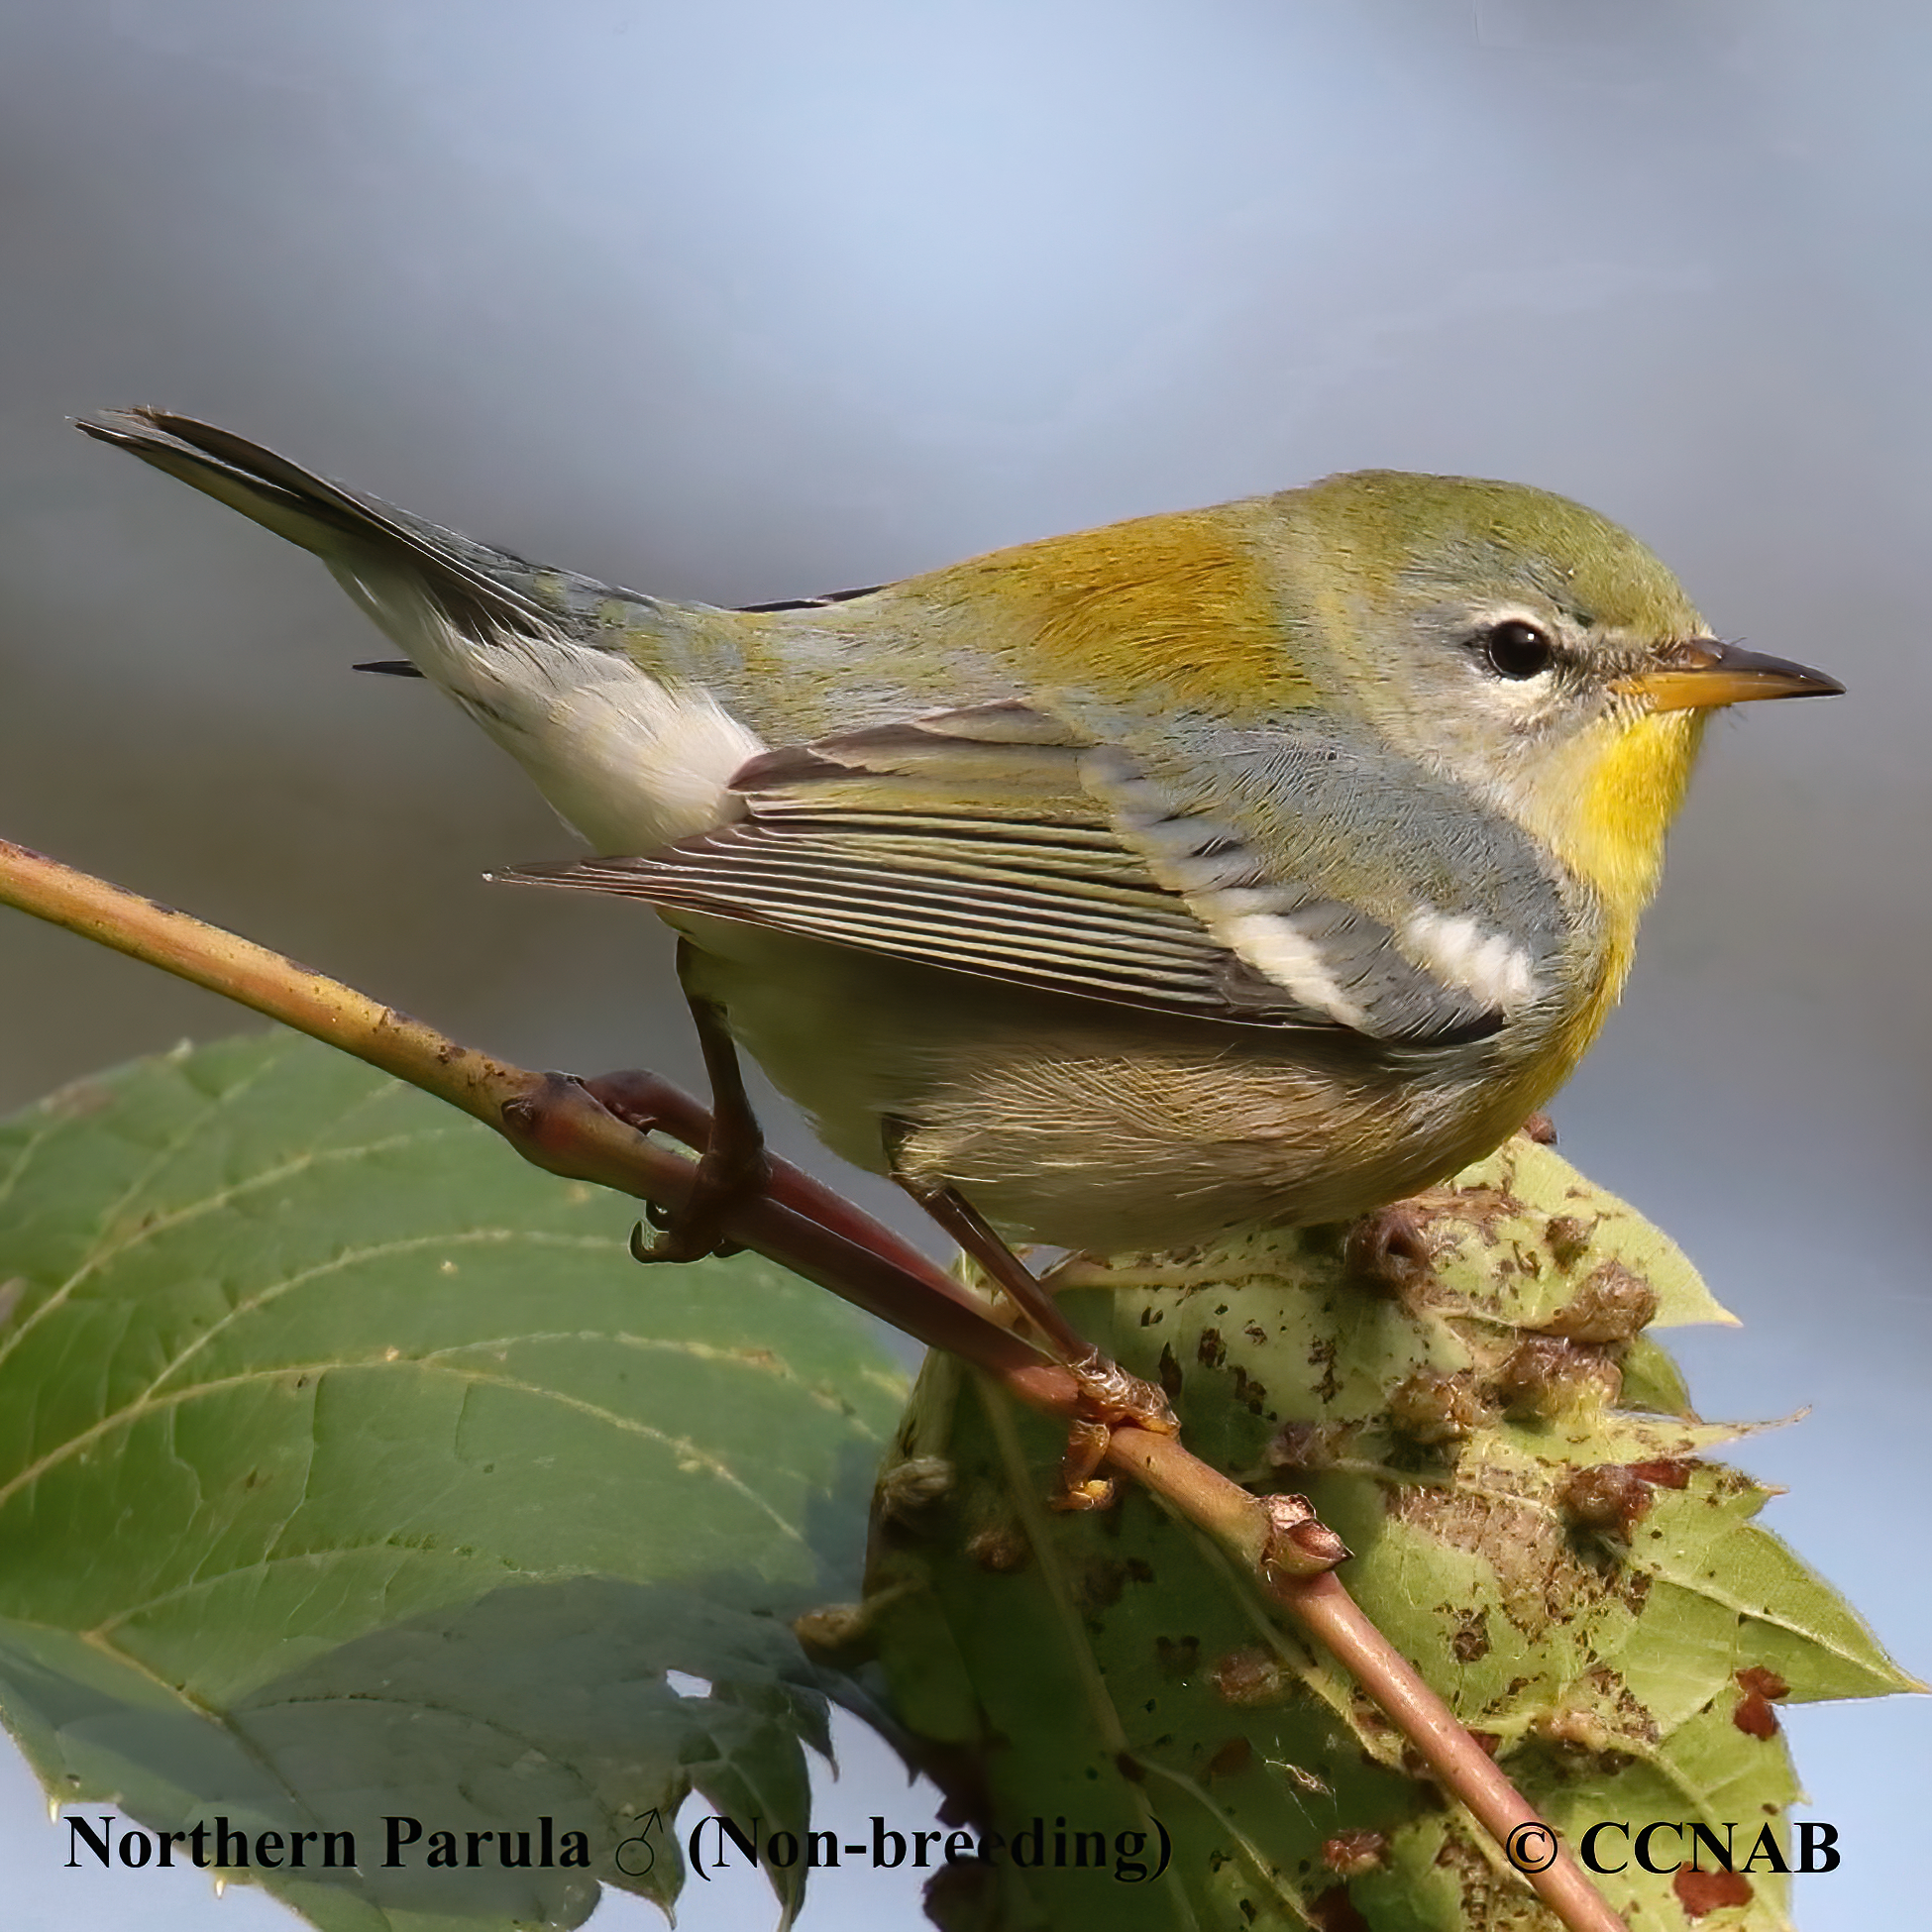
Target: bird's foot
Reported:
point(1110, 1398)
point(721, 1185)
point(732, 1166)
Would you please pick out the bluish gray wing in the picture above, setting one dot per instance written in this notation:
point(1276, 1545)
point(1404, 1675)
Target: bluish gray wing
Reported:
point(1381, 892)
point(997, 842)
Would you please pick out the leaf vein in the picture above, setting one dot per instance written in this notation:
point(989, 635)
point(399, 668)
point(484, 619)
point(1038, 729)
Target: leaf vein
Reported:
point(253, 1303)
point(681, 1446)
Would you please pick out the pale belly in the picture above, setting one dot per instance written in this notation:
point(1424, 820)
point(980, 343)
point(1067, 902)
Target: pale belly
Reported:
point(1087, 1125)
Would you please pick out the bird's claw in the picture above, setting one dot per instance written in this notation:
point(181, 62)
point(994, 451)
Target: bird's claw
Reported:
point(1110, 1398)
point(695, 1231)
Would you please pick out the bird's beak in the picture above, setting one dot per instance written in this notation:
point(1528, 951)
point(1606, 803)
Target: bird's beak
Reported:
point(1704, 673)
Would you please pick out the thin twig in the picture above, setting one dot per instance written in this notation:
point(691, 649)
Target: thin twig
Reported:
point(1462, 1765)
point(550, 1118)
point(560, 1125)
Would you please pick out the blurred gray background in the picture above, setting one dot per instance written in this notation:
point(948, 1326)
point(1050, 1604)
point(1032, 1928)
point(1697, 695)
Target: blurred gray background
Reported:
point(747, 300)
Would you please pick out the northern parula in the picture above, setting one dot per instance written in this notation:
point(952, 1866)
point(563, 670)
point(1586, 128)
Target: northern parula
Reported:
point(1255, 864)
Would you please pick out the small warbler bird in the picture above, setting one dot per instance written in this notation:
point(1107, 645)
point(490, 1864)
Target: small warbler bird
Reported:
point(1250, 865)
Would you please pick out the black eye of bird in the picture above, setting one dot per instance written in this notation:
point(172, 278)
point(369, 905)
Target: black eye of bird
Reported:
point(1516, 649)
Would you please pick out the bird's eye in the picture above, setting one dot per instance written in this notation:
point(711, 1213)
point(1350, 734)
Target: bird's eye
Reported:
point(1517, 649)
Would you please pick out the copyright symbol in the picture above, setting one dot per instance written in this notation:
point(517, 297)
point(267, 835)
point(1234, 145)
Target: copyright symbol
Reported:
point(1531, 1847)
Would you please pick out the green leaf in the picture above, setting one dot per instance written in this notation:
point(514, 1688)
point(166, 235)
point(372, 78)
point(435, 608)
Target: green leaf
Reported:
point(1534, 1526)
point(350, 1469)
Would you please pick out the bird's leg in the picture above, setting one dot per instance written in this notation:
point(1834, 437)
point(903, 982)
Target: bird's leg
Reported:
point(733, 1166)
point(1107, 1393)
point(970, 1229)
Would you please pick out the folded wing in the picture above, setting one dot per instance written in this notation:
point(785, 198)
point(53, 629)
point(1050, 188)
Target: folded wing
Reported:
point(997, 841)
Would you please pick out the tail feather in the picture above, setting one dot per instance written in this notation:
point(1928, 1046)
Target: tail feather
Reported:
point(603, 696)
point(466, 579)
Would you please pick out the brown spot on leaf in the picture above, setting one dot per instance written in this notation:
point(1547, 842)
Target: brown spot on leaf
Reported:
point(1544, 1377)
point(1102, 1582)
point(1308, 1444)
point(1430, 1407)
point(1672, 1474)
point(1470, 1642)
point(1349, 1854)
point(1485, 1207)
point(1611, 1304)
point(1576, 1726)
point(1540, 1581)
point(1169, 1372)
point(1249, 1393)
point(1608, 1496)
point(1754, 1715)
point(1321, 1355)
point(1211, 1350)
point(1568, 1236)
point(1335, 1911)
point(1601, 1723)
point(1700, 1892)
point(1541, 1128)
point(1232, 1759)
point(1387, 1253)
point(1248, 1678)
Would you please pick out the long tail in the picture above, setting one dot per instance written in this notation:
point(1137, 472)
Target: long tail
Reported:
point(474, 584)
point(602, 695)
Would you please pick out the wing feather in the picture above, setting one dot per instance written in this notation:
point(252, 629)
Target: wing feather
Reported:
point(914, 898)
point(974, 841)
